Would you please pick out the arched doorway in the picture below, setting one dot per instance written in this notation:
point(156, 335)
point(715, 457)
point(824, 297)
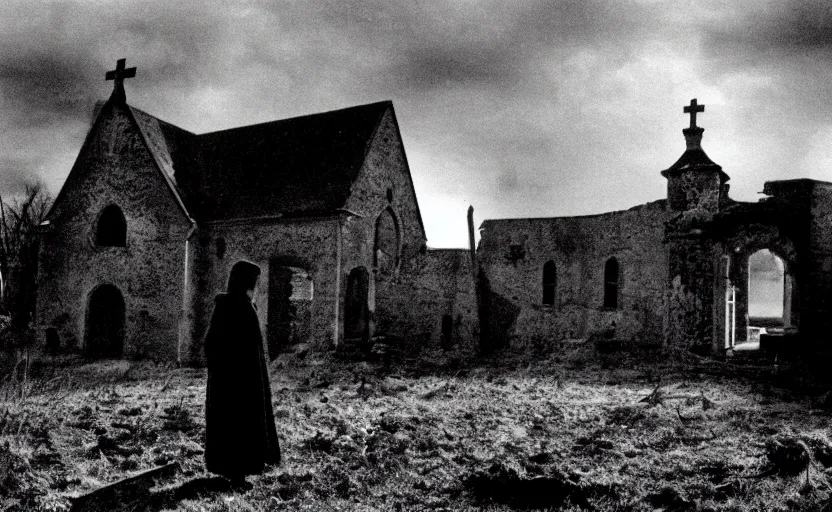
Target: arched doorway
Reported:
point(105, 323)
point(356, 308)
point(769, 300)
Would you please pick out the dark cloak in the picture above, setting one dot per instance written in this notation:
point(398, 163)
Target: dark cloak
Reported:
point(240, 434)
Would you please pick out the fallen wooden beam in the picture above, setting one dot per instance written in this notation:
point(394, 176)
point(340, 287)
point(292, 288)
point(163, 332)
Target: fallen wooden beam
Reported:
point(123, 494)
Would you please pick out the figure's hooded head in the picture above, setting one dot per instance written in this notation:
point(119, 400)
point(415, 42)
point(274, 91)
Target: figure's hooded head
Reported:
point(243, 277)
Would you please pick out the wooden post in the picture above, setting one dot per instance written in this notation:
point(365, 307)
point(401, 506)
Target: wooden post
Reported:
point(471, 246)
point(475, 274)
point(124, 494)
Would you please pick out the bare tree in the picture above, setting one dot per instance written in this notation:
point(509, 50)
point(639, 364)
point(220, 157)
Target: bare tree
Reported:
point(19, 221)
point(19, 243)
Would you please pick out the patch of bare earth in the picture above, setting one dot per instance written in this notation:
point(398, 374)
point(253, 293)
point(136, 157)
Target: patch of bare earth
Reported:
point(570, 431)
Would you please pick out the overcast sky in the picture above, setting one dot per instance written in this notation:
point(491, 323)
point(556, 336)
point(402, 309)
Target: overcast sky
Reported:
point(532, 108)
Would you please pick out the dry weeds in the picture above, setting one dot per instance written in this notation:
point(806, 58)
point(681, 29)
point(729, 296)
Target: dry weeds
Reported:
point(567, 431)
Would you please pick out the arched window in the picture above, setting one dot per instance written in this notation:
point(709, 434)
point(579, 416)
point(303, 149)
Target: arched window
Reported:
point(550, 280)
point(611, 274)
point(386, 247)
point(112, 228)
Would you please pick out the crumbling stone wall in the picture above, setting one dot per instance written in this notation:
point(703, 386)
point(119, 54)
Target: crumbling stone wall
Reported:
point(694, 192)
point(512, 253)
point(114, 167)
point(431, 286)
point(818, 297)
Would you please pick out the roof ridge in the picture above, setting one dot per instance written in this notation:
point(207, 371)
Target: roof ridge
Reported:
point(157, 159)
point(294, 118)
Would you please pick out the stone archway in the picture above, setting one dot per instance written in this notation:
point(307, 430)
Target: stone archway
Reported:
point(356, 306)
point(767, 287)
point(732, 323)
point(104, 337)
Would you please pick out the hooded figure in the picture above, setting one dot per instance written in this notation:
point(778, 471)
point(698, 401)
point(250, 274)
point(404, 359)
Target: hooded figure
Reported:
point(240, 435)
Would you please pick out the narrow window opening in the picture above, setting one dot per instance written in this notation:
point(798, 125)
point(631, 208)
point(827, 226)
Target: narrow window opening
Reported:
point(549, 283)
point(611, 272)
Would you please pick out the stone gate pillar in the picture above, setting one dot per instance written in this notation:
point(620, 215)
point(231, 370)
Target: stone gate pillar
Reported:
point(696, 188)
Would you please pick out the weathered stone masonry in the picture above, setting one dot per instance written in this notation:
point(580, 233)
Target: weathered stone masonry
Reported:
point(513, 252)
point(115, 168)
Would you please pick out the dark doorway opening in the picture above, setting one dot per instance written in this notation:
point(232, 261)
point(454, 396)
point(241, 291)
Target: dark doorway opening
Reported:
point(289, 311)
point(549, 283)
point(356, 307)
point(105, 323)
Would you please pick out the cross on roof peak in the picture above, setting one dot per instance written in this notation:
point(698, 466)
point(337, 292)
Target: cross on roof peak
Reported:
point(692, 109)
point(118, 75)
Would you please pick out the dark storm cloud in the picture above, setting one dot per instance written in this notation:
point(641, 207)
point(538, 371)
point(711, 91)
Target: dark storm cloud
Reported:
point(42, 89)
point(55, 67)
point(777, 30)
point(525, 108)
point(443, 68)
point(771, 62)
point(503, 46)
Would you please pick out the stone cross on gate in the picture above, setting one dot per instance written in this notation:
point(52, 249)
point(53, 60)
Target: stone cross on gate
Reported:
point(118, 75)
point(692, 109)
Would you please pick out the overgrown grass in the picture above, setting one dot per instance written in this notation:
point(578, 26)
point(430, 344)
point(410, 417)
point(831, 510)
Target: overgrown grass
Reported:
point(615, 431)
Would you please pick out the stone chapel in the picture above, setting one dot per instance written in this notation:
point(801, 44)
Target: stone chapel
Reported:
point(151, 218)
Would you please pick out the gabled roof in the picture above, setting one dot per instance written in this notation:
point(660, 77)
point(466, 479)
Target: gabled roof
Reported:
point(173, 148)
point(292, 167)
point(176, 155)
point(160, 139)
point(303, 165)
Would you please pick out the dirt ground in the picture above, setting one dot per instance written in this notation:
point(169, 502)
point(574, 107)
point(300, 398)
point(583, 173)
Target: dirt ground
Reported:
point(570, 430)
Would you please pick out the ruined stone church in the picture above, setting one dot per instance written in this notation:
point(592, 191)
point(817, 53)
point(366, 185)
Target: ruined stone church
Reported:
point(151, 218)
point(670, 272)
